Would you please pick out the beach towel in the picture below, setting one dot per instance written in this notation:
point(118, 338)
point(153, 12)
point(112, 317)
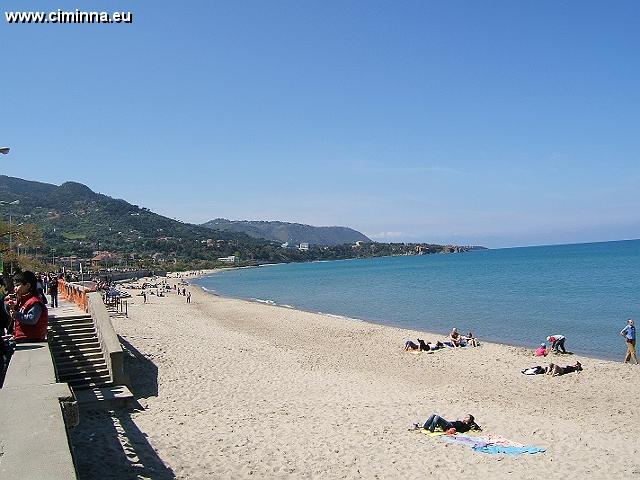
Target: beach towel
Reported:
point(489, 444)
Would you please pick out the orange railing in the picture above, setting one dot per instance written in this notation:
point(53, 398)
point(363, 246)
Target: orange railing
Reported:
point(74, 293)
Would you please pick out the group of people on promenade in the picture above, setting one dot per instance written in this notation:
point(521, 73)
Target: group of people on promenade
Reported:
point(23, 314)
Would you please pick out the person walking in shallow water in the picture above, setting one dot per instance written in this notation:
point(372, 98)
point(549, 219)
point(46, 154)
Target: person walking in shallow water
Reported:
point(629, 334)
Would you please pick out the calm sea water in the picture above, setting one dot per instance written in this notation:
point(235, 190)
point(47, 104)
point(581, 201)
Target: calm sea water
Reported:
point(517, 295)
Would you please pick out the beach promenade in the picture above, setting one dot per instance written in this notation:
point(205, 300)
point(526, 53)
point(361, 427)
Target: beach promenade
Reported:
point(234, 389)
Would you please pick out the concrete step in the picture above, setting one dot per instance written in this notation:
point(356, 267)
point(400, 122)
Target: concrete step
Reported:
point(67, 318)
point(88, 385)
point(56, 331)
point(114, 396)
point(80, 363)
point(90, 382)
point(85, 379)
point(73, 335)
point(83, 343)
point(67, 352)
point(66, 362)
point(79, 318)
point(70, 323)
point(90, 373)
point(79, 370)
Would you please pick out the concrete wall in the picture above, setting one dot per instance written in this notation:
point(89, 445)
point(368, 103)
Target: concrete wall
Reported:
point(35, 411)
point(109, 341)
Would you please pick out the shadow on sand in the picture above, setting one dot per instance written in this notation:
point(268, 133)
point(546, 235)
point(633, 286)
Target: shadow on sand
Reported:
point(108, 444)
point(142, 372)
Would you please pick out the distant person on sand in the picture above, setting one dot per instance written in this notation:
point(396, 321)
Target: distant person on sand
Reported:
point(557, 343)
point(421, 346)
point(460, 426)
point(469, 339)
point(455, 338)
point(542, 351)
point(629, 334)
point(144, 295)
point(188, 297)
point(557, 370)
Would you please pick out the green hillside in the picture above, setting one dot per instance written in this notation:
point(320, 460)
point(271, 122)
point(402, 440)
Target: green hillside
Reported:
point(292, 233)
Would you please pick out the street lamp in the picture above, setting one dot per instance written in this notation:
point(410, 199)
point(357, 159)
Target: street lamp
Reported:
point(4, 150)
point(15, 202)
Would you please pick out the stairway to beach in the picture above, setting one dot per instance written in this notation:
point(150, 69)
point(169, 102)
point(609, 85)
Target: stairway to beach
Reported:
point(80, 360)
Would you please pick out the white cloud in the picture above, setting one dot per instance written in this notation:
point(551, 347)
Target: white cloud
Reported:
point(386, 235)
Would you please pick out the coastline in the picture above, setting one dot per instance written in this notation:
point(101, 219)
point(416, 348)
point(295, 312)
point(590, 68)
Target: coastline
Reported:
point(430, 334)
point(236, 389)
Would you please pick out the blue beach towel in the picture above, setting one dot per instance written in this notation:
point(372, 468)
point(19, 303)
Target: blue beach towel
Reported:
point(490, 444)
point(495, 449)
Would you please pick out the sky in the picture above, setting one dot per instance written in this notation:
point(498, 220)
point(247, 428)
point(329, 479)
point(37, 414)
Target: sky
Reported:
point(496, 123)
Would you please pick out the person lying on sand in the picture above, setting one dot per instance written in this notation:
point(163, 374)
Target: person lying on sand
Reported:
point(556, 370)
point(421, 346)
point(537, 370)
point(460, 426)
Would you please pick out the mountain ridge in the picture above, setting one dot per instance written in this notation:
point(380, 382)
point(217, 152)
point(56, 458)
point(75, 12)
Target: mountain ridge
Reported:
point(289, 232)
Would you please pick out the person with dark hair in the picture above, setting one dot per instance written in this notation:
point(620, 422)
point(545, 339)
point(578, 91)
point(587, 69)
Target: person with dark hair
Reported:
point(27, 310)
point(460, 426)
point(53, 290)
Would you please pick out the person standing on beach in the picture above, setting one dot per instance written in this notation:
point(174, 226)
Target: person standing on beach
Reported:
point(557, 343)
point(629, 334)
point(188, 297)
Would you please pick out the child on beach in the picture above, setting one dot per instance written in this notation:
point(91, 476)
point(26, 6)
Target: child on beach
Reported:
point(542, 351)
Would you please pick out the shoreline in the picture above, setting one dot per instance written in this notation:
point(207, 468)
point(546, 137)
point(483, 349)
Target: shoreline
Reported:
point(527, 346)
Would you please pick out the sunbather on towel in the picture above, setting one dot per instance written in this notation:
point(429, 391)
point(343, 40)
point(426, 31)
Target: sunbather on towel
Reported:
point(537, 370)
point(422, 345)
point(409, 345)
point(460, 426)
point(556, 370)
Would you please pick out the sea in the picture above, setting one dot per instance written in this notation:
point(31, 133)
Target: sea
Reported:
point(516, 296)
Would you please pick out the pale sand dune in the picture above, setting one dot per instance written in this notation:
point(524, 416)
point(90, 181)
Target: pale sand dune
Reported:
point(246, 390)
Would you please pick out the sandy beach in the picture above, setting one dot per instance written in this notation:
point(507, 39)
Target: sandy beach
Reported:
point(234, 389)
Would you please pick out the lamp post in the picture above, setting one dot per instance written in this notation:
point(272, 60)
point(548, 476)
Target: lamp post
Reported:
point(15, 202)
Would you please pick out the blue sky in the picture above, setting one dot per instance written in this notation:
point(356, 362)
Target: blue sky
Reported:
point(500, 123)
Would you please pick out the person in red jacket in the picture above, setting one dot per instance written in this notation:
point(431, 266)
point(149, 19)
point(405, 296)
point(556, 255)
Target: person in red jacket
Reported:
point(27, 310)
